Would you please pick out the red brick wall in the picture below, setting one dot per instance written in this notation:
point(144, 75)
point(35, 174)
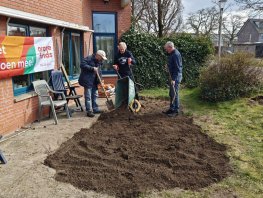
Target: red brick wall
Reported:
point(123, 20)
point(70, 10)
point(13, 115)
point(123, 14)
point(74, 11)
point(2, 25)
point(123, 17)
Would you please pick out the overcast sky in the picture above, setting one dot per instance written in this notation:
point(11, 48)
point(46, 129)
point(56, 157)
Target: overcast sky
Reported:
point(194, 5)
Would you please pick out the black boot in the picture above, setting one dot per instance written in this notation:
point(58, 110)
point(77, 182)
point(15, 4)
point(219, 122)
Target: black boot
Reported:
point(173, 114)
point(167, 111)
point(90, 114)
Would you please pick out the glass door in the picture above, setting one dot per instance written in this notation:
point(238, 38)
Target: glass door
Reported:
point(71, 54)
point(66, 52)
point(106, 43)
point(75, 54)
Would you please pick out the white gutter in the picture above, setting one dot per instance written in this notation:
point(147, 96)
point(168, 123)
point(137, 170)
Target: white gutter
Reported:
point(41, 19)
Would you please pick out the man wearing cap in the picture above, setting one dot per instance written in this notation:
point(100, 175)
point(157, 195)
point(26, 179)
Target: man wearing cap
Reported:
point(123, 60)
point(90, 67)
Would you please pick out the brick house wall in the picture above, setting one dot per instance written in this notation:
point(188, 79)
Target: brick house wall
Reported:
point(113, 6)
point(14, 115)
point(70, 10)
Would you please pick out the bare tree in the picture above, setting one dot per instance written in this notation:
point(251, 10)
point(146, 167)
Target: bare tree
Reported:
point(138, 9)
point(254, 4)
point(231, 26)
point(204, 21)
point(158, 16)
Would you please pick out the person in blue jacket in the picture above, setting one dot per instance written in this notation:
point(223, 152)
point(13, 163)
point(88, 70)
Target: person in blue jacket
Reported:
point(123, 60)
point(175, 67)
point(90, 66)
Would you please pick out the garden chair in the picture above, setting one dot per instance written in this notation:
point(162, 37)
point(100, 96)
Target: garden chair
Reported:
point(71, 87)
point(58, 85)
point(2, 157)
point(43, 91)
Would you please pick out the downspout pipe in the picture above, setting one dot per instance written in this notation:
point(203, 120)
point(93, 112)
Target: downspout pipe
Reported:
point(7, 23)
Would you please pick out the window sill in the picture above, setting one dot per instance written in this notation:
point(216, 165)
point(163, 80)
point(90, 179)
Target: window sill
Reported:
point(109, 75)
point(25, 96)
point(74, 81)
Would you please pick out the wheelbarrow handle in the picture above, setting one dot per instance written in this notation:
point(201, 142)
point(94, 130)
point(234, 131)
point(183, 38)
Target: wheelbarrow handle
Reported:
point(117, 71)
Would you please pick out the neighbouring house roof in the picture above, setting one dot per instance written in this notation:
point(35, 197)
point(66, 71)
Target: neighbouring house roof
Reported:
point(257, 24)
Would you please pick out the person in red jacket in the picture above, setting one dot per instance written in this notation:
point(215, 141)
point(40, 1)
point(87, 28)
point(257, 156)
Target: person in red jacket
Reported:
point(123, 60)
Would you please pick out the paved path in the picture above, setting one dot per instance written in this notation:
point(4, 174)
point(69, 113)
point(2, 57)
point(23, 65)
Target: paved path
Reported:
point(25, 175)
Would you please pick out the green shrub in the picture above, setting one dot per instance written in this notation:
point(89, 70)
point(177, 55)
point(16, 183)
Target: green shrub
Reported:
point(230, 78)
point(149, 53)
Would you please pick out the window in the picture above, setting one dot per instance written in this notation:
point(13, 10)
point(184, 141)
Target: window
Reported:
point(23, 84)
point(261, 38)
point(37, 32)
point(105, 37)
point(104, 23)
point(106, 43)
point(72, 53)
point(17, 30)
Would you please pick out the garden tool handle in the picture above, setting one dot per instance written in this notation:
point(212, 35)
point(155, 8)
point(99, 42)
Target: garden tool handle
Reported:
point(170, 78)
point(117, 70)
point(102, 86)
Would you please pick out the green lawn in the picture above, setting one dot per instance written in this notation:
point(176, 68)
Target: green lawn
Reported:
point(238, 124)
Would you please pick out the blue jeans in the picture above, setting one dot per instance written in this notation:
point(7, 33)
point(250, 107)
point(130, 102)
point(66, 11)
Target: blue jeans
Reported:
point(91, 95)
point(174, 102)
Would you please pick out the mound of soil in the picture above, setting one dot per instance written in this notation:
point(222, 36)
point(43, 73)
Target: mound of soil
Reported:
point(125, 154)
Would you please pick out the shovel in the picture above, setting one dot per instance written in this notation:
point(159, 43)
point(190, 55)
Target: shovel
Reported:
point(109, 103)
point(170, 79)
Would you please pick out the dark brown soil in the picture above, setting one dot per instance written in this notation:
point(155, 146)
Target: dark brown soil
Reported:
point(125, 154)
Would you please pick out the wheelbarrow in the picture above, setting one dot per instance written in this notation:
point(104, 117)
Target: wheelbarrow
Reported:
point(126, 95)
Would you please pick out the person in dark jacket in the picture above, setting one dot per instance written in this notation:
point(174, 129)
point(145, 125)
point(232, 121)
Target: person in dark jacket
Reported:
point(175, 67)
point(123, 60)
point(90, 66)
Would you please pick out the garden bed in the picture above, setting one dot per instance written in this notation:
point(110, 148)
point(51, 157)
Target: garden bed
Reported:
point(125, 154)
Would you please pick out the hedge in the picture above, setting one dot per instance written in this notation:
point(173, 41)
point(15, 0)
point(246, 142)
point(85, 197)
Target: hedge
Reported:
point(151, 57)
point(231, 78)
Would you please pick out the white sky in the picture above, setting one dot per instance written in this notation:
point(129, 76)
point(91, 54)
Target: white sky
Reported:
point(194, 5)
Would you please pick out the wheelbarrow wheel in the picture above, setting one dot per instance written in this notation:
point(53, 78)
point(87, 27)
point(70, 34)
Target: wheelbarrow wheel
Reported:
point(135, 106)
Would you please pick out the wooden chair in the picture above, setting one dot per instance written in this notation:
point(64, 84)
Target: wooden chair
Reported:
point(58, 85)
point(72, 88)
point(43, 91)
